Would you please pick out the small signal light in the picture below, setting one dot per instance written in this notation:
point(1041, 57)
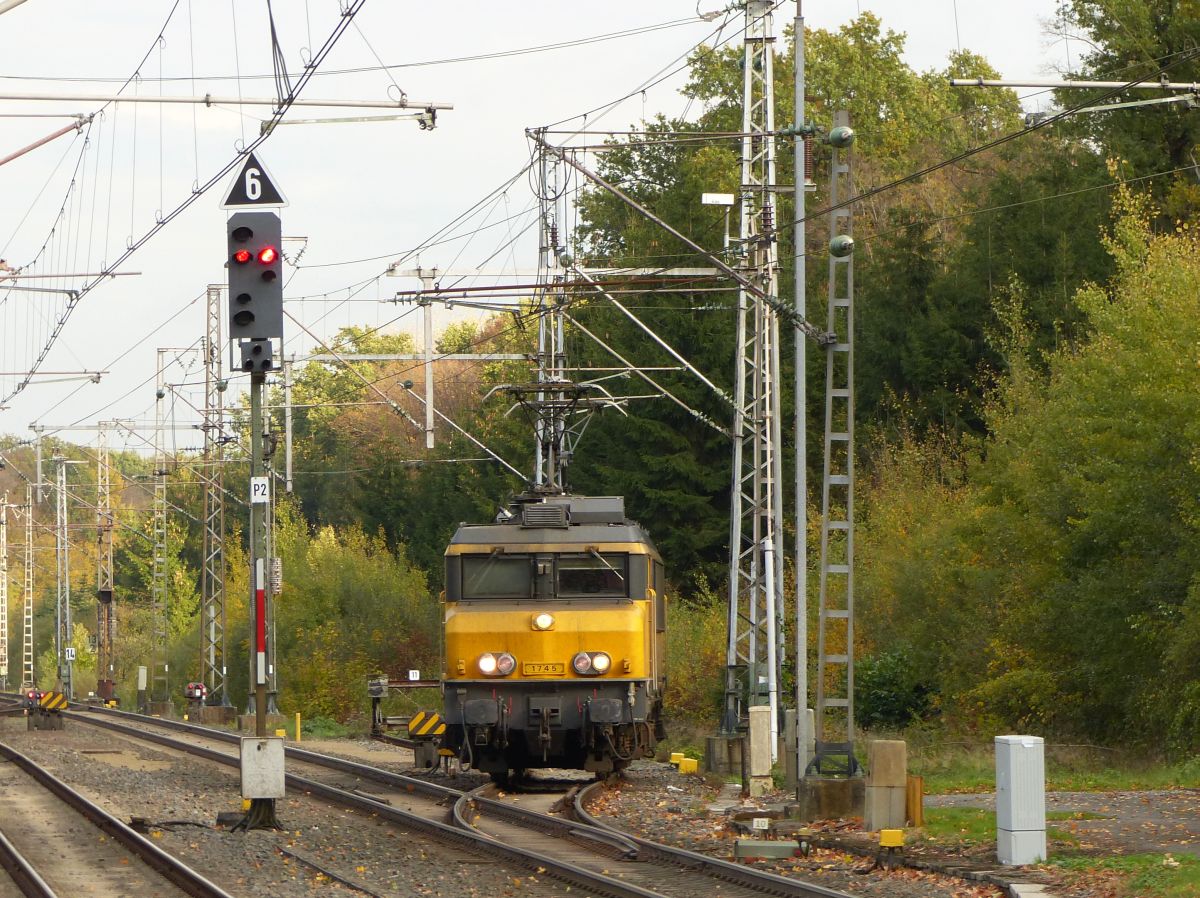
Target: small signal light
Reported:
point(242, 256)
point(268, 255)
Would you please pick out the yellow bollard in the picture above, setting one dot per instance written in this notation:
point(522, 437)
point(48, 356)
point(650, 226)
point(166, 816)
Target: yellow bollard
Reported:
point(297, 726)
point(676, 757)
point(245, 804)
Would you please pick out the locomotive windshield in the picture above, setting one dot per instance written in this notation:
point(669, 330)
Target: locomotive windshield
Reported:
point(593, 575)
point(497, 577)
point(589, 574)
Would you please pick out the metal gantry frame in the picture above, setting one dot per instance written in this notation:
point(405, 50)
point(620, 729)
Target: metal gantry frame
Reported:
point(835, 636)
point(212, 608)
point(754, 649)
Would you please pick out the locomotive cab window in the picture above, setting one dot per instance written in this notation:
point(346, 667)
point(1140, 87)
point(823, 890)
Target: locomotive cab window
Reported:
point(593, 575)
point(496, 577)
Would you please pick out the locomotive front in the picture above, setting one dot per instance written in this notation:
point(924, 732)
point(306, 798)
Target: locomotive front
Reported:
point(555, 622)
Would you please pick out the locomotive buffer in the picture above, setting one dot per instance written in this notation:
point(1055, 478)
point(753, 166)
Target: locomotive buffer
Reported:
point(425, 728)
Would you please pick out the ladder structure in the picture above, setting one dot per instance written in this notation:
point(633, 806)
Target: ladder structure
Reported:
point(834, 742)
point(4, 592)
point(27, 681)
point(755, 623)
point(212, 591)
point(159, 684)
point(62, 551)
point(106, 622)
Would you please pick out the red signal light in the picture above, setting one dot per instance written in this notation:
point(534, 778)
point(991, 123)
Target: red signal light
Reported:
point(268, 255)
point(242, 256)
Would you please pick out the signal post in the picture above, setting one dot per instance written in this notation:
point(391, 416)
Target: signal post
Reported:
point(255, 265)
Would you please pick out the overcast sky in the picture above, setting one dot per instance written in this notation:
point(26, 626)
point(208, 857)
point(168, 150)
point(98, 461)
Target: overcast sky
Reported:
point(357, 191)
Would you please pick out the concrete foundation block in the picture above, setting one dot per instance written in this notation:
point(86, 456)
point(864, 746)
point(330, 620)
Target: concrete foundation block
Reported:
point(760, 741)
point(246, 722)
point(160, 709)
point(760, 786)
point(723, 755)
point(829, 797)
point(753, 849)
point(887, 763)
point(884, 807)
point(1022, 847)
point(214, 715)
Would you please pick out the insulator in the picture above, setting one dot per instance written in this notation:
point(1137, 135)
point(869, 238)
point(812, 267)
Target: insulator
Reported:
point(808, 161)
point(553, 236)
point(768, 218)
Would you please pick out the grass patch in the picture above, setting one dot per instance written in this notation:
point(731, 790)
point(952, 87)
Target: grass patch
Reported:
point(958, 767)
point(964, 826)
point(1142, 875)
point(975, 826)
point(323, 728)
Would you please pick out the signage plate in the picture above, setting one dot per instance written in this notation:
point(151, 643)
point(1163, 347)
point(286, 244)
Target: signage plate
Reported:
point(543, 668)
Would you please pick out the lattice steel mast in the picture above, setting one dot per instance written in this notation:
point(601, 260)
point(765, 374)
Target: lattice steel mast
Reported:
point(106, 622)
point(63, 628)
point(27, 680)
point(560, 407)
point(754, 650)
point(159, 684)
point(835, 638)
point(212, 610)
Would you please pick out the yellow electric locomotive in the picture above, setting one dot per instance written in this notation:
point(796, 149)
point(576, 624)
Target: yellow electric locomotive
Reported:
point(555, 621)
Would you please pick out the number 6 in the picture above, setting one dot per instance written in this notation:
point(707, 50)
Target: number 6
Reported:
point(253, 185)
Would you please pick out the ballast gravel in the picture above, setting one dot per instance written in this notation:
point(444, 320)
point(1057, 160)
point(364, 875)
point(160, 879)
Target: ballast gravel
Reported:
point(180, 798)
point(656, 802)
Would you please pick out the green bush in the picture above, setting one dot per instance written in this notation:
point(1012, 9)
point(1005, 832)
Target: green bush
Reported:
point(695, 659)
point(889, 693)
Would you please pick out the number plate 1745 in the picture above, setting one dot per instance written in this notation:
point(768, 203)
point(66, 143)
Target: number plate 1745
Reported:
point(543, 669)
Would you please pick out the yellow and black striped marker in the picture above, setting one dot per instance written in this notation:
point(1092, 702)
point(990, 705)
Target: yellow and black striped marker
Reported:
point(425, 724)
point(53, 701)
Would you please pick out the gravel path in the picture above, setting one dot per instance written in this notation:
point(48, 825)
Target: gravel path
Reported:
point(658, 803)
point(181, 798)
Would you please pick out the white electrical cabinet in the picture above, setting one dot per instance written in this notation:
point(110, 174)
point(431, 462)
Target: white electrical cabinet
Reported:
point(1020, 799)
point(262, 767)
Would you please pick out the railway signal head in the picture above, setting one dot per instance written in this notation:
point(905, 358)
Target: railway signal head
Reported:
point(255, 283)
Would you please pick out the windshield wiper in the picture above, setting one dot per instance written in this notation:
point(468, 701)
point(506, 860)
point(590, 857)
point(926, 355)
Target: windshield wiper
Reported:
point(601, 559)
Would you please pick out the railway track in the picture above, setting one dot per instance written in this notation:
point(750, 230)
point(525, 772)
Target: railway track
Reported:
point(575, 848)
point(55, 842)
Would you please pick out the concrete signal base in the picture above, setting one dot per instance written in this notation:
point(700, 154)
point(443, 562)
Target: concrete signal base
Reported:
point(214, 715)
point(160, 709)
point(723, 755)
point(824, 797)
point(246, 723)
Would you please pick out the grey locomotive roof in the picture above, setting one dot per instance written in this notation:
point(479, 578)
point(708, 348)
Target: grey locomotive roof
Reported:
point(586, 520)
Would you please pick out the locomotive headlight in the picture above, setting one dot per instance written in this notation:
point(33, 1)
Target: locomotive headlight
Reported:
point(543, 621)
point(591, 664)
point(496, 664)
